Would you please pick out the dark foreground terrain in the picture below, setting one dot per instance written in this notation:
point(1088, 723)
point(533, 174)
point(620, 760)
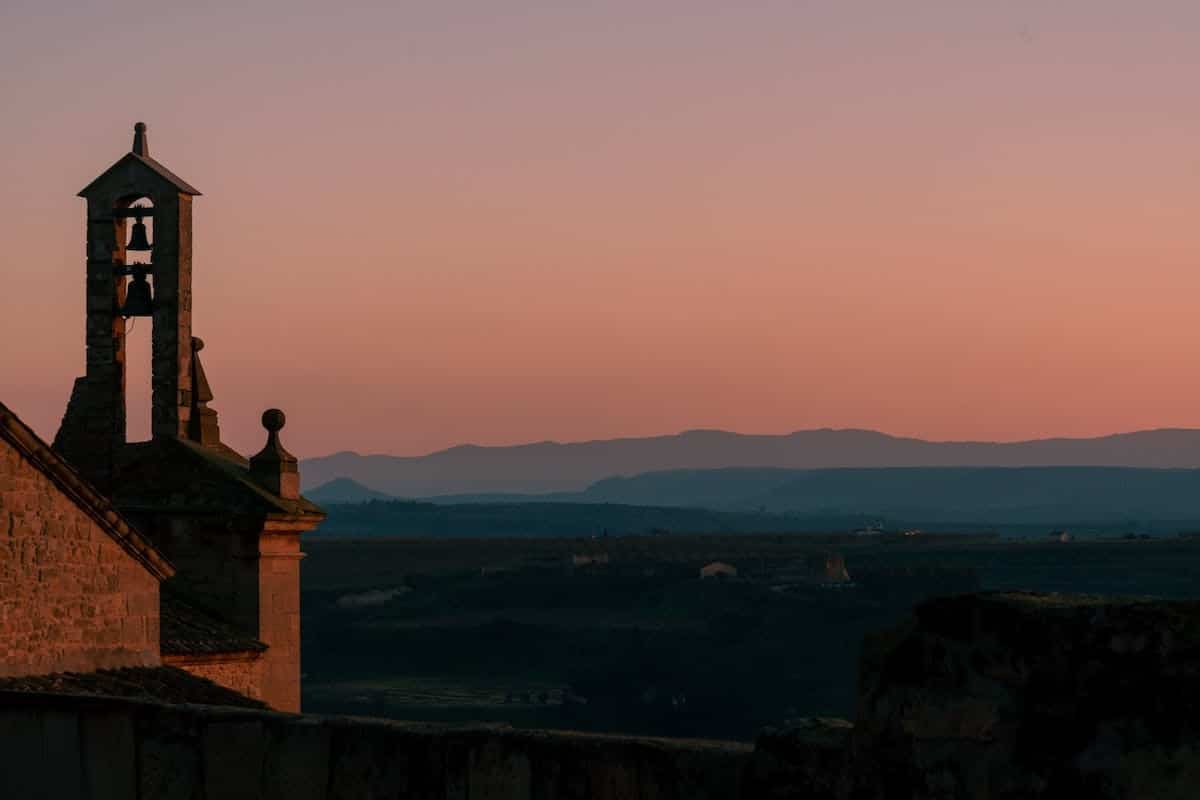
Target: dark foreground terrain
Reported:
point(623, 634)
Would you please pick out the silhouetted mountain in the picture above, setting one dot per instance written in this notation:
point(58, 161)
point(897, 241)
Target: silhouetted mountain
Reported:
point(555, 467)
point(1003, 499)
point(978, 495)
point(344, 490)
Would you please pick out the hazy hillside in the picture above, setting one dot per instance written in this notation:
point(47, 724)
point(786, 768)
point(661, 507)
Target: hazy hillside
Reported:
point(984, 495)
point(403, 518)
point(344, 490)
point(1004, 499)
point(554, 467)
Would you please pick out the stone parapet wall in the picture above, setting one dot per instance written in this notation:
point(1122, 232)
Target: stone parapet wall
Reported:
point(979, 697)
point(64, 747)
point(71, 598)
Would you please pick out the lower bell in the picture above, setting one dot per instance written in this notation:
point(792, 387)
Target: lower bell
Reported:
point(138, 302)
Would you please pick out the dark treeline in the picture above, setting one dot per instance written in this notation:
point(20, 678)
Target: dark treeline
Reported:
point(407, 518)
point(539, 519)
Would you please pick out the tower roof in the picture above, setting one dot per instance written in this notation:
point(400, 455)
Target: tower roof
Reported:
point(140, 154)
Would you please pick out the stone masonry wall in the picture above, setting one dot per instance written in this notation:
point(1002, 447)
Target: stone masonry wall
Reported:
point(240, 673)
point(71, 599)
point(248, 578)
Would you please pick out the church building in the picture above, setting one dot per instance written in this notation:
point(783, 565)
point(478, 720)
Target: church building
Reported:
point(177, 551)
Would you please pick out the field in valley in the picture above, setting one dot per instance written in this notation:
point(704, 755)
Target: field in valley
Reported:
point(622, 634)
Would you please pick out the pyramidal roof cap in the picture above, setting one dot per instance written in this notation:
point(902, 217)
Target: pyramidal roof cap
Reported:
point(140, 152)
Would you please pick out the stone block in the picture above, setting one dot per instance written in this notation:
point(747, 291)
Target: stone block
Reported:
point(60, 748)
point(804, 758)
point(169, 756)
point(68, 570)
point(109, 756)
point(22, 767)
point(297, 761)
point(498, 770)
point(367, 761)
point(233, 759)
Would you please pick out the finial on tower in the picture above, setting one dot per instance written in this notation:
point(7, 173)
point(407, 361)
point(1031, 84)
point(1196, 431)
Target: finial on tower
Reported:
point(140, 146)
point(273, 420)
point(202, 425)
point(274, 468)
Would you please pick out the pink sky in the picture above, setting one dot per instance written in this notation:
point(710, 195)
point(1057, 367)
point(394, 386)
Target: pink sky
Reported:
point(432, 223)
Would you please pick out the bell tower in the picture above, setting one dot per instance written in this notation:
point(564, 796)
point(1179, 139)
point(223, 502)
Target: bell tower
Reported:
point(119, 289)
point(230, 525)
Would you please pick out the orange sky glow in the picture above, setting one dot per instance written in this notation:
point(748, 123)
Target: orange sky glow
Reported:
point(425, 224)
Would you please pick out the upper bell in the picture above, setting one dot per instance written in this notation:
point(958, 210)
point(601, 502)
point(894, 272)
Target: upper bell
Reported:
point(137, 237)
point(138, 302)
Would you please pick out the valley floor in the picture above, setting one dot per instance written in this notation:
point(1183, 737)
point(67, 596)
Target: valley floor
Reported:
point(623, 634)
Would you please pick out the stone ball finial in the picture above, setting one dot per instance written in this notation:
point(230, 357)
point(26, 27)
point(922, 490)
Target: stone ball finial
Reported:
point(139, 127)
point(274, 468)
point(273, 420)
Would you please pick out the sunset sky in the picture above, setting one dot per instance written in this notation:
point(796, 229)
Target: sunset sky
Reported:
point(425, 224)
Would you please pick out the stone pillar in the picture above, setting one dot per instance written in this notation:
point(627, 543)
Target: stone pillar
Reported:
point(94, 424)
point(204, 427)
point(171, 369)
point(277, 471)
point(279, 612)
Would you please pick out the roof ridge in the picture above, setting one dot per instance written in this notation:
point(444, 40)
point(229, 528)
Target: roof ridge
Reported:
point(241, 473)
point(82, 493)
point(156, 166)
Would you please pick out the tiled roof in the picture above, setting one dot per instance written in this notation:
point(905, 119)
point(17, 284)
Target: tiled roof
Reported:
point(73, 485)
point(164, 684)
point(186, 629)
point(170, 475)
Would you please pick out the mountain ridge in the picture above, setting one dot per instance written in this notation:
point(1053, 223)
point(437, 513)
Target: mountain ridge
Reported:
point(548, 466)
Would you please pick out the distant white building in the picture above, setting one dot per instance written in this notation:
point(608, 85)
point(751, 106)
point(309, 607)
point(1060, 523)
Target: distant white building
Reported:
point(718, 569)
point(589, 559)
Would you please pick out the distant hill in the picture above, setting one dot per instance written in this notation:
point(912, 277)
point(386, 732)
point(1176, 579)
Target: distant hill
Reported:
point(1018, 500)
point(978, 495)
point(553, 467)
point(534, 519)
point(344, 490)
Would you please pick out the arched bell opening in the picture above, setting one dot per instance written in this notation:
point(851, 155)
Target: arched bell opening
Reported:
point(135, 236)
point(135, 304)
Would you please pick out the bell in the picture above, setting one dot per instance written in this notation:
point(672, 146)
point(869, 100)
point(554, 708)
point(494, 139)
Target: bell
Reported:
point(137, 237)
point(137, 296)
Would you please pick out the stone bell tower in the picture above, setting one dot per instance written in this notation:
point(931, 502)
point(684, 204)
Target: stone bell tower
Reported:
point(136, 187)
point(230, 525)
